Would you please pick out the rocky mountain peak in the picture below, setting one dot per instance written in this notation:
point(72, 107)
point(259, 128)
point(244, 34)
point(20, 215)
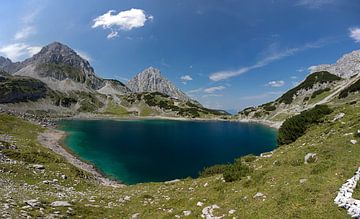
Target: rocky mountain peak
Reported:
point(151, 80)
point(7, 65)
point(347, 66)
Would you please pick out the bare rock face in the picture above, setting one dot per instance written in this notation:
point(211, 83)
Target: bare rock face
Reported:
point(151, 80)
point(347, 66)
point(57, 62)
point(7, 65)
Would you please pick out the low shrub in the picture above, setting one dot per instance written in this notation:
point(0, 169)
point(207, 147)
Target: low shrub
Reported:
point(294, 127)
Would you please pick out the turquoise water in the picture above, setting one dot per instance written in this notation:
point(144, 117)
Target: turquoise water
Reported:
point(159, 150)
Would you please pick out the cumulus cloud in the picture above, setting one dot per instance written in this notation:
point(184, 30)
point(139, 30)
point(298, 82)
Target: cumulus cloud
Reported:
point(18, 51)
point(262, 96)
point(355, 34)
point(210, 90)
point(124, 20)
point(276, 83)
point(24, 33)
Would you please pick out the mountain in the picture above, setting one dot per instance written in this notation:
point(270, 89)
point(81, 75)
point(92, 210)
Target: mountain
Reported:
point(324, 84)
point(7, 65)
point(151, 80)
point(62, 69)
point(347, 66)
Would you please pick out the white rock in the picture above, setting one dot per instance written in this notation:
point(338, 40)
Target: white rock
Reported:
point(38, 166)
point(172, 181)
point(135, 216)
point(33, 203)
point(199, 204)
point(353, 141)
point(208, 212)
point(186, 213)
point(232, 211)
point(339, 116)
point(310, 157)
point(60, 204)
point(259, 195)
point(302, 181)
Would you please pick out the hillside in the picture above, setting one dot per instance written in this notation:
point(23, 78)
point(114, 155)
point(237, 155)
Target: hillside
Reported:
point(318, 88)
point(37, 182)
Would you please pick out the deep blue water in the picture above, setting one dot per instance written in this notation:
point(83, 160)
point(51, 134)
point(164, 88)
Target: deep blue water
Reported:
point(158, 150)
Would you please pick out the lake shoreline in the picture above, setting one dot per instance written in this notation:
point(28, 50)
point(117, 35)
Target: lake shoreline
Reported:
point(53, 139)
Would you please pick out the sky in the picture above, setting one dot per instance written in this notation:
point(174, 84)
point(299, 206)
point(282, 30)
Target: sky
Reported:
point(227, 54)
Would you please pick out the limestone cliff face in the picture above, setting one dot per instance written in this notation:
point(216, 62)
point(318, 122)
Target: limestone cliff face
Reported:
point(61, 69)
point(151, 80)
point(347, 66)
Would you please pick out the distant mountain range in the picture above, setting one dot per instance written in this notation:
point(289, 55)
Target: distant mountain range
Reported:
point(70, 82)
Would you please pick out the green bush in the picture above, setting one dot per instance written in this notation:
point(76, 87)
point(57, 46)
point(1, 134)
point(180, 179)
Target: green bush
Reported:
point(318, 92)
point(295, 126)
point(351, 89)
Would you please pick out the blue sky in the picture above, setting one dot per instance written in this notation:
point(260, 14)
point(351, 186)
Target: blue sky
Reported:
point(227, 54)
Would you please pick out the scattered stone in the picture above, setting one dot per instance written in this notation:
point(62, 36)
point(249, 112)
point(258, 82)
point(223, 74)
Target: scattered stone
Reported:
point(33, 203)
point(135, 216)
point(60, 204)
point(266, 154)
point(339, 116)
point(232, 211)
point(344, 197)
point(199, 204)
point(310, 158)
point(302, 181)
point(358, 133)
point(206, 184)
point(208, 212)
point(259, 195)
point(353, 141)
point(186, 213)
point(38, 166)
point(63, 177)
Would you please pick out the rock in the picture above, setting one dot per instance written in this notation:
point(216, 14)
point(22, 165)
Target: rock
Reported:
point(63, 177)
point(208, 212)
point(186, 213)
point(33, 203)
point(60, 204)
point(358, 133)
point(199, 204)
point(339, 116)
point(232, 211)
point(206, 184)
point(38, 166)
point(135, 216)
point(259, 195)
point(353, 141)
point(302, 181)
point(310, 158)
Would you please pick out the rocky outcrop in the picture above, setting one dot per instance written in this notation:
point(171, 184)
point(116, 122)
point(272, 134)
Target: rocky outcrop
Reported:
point(151, 80)
point(347, 66)
point(113, 87)
point(7, 65)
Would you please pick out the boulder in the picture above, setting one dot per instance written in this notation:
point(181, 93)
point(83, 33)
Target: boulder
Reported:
point(33, 203)
point(353, 141)
point(339, 116)
point(310, 158)
point(60, 204)
point(38, 166)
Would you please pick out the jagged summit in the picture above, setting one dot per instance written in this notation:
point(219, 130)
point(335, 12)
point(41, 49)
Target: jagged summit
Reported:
point(151, 80)
point(347, 66)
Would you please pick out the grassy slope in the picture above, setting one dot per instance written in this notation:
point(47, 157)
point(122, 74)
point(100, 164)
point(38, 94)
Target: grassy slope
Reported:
point(276, 177)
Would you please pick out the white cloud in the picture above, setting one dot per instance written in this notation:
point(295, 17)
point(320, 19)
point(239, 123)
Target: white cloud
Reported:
point(198, 90)
point(293, 77)
point(355, 34)
point(24, 33)
point(19, 51)
point(83, 55)
point(124, 20)
point(276, 83)
point(212, 95)
point(210, 90)
point(268, 59)
point(314, 4)
point(186, 78)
